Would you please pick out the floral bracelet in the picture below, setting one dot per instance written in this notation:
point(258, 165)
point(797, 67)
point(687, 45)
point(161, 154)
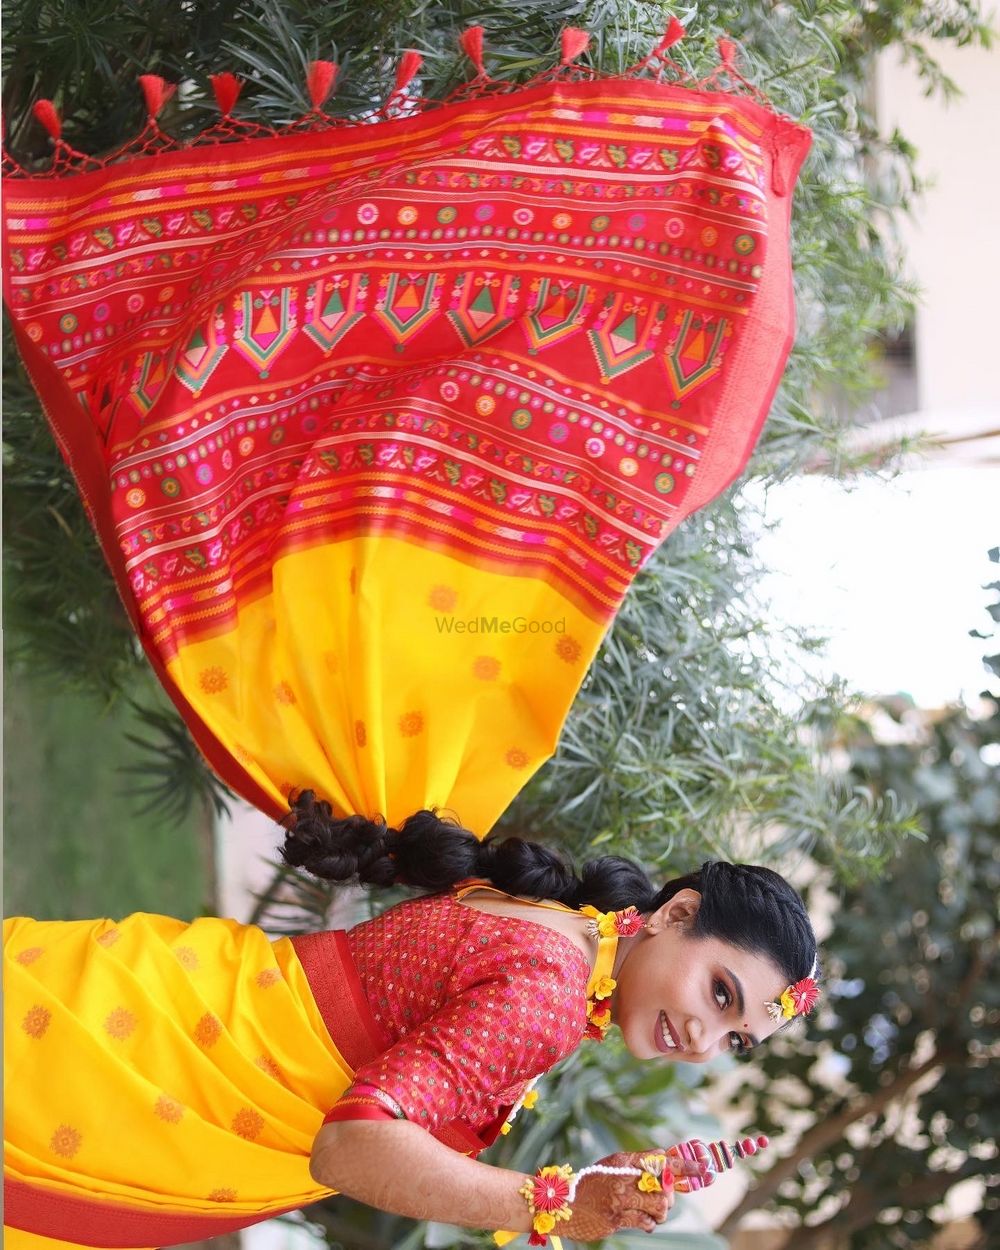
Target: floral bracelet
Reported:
point(547, 1195)
point(551, 1190)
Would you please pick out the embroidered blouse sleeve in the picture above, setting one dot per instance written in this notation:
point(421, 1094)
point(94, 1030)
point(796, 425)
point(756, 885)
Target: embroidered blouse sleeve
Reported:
point(511, 1016)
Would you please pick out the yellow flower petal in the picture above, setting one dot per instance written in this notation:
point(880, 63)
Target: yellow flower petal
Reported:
point(787, 1005)
point(606, 925)
point(504, 1129)
point(530, 1098)
point(605, 987)
point(649, 1184)
point(544, 1222)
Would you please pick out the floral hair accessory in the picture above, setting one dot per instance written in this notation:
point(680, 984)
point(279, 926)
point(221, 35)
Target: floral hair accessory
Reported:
point(625, 923)
point(796, 1000)
point(547, 1195)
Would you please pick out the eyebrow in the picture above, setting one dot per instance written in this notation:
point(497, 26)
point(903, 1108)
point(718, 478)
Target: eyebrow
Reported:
point(740, 1001)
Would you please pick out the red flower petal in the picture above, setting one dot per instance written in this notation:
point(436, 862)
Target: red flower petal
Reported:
point(627, 922)
point(805, 994)
point(551, 1192)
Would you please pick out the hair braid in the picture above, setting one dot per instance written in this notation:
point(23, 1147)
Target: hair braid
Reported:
point(752, 908)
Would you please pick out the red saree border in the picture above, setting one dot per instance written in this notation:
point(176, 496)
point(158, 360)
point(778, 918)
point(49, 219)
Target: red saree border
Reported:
point(329, 967)
point(326, 960)
point(615, 92)
point(80, 451)
point(113, 1225)
point(774, 305)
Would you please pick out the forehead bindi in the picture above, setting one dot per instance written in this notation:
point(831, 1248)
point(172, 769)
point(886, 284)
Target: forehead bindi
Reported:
point(755, 981)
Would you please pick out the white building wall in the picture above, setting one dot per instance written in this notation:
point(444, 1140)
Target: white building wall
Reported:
point(953, 242)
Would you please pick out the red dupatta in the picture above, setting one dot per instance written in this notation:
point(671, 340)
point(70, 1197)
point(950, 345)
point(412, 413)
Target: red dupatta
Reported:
point(377, 422)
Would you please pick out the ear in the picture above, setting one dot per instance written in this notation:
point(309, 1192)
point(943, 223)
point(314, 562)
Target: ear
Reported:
point(679, 910)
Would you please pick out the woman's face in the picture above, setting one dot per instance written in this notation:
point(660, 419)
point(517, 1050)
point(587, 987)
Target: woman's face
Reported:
point(690, 999)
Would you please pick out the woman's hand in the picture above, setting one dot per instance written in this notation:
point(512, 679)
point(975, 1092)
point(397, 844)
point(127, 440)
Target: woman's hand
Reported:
point(604, 1204)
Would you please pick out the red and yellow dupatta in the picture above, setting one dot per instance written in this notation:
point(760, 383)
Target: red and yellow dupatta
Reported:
point(377, 422)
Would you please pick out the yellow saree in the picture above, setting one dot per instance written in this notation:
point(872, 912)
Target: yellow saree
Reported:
point(178, 1075)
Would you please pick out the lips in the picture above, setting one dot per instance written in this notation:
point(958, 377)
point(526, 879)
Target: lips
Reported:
point(665, 1036)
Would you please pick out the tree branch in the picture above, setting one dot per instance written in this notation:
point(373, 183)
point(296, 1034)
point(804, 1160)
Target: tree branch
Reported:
point(823, 1134)
point(865, 1205)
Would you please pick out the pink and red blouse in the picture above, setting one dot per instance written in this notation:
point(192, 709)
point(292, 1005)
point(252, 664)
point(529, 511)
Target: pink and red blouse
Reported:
point(445, 1013)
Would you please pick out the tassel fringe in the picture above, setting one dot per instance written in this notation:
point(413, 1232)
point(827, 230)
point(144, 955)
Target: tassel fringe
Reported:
point(320, 82)
point(574, 43)
point(321, 79)
point(471, 43)
point(227, 88)
point(45, 112)
point(156, 91)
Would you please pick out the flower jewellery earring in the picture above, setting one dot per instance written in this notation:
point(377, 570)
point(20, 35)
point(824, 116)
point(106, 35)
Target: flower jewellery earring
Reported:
point(607, 927)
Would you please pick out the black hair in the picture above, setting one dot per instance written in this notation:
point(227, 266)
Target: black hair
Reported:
point(753, 908)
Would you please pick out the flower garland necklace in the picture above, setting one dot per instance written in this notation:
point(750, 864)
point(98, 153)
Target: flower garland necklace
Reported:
point(607, 927)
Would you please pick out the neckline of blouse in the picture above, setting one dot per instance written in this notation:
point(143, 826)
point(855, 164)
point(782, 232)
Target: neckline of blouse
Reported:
point(607, 946)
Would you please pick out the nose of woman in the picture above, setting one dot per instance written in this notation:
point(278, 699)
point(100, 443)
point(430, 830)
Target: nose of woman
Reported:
point(702, 1040)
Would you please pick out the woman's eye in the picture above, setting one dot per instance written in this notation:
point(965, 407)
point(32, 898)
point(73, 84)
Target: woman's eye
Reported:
point(722, 995)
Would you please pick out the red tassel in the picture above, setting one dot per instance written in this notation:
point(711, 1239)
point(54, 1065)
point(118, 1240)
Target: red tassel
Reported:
point(156, 92)
point(471, 43)
point(675, 33)
point(46, 113)
point(227, 88)
point(727, 51)
point(320, 80)
point(574, 41)
point(408, 67)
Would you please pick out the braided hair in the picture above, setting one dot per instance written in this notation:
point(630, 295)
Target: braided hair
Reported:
point(752, 908)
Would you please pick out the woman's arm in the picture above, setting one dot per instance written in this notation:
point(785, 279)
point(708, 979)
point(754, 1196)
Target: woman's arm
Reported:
point(399, 1167)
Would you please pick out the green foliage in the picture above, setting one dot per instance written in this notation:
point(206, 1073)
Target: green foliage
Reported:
point(894, 1085)
point(74, 847)
point(171, 777)
point(686, 740)
point(62, 613)
point(991, 662)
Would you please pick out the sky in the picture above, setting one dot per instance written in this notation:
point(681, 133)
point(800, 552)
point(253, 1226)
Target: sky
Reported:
point(891, 572)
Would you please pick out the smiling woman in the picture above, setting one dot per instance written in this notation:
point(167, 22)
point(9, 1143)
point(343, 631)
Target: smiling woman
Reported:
point(296, 1068)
